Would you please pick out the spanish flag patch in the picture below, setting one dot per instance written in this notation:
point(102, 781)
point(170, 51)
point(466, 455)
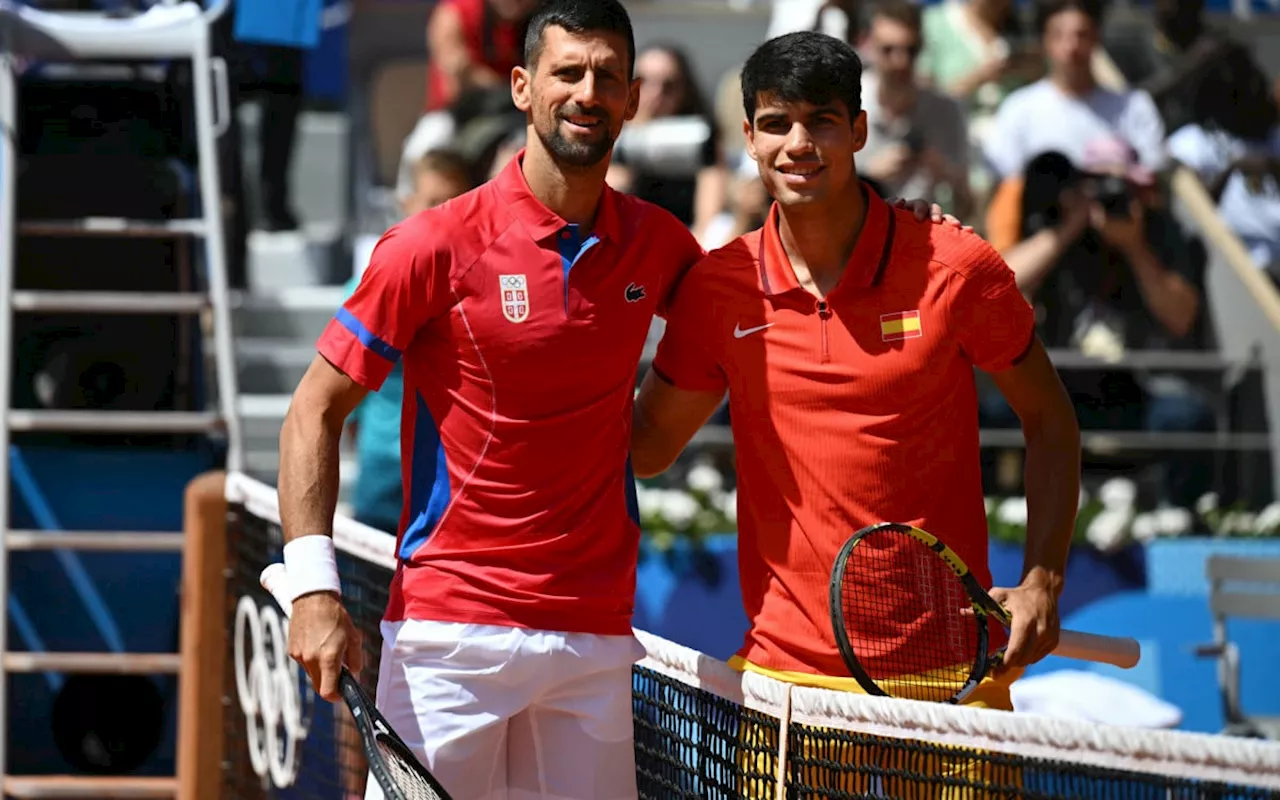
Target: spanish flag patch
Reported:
point(900, 325)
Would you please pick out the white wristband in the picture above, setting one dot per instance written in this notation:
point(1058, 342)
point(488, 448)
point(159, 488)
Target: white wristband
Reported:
point(310, 563)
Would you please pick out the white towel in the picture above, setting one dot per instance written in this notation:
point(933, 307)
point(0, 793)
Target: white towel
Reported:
point(1088, 696)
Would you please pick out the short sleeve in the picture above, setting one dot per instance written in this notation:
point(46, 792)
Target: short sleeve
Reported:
point(992, 319)
point(1191, 146)
point(684, 253)
point(1144, 129)
point(405, 286)
point(1003, 146)
point(685, 356)
point(1186, 146)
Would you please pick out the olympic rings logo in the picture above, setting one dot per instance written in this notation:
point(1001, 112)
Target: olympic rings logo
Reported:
point(271, 694)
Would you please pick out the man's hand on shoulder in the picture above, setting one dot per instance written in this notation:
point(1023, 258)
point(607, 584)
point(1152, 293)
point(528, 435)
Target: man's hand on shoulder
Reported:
point(926, 211)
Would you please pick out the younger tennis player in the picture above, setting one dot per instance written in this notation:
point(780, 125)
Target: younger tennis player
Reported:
point(846, 334)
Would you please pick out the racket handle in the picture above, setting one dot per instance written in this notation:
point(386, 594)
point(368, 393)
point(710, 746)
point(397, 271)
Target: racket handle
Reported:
point(1120, 651)
point(275, 580)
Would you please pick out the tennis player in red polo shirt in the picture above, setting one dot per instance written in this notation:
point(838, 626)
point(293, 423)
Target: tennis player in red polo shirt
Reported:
point(846, 334)
point(520, 311)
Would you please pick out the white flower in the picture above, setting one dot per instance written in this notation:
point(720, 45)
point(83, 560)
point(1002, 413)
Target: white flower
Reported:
point(1226, 524)
point(1146, 526)
point(1171, 522)
point(1269, 520)
point(705, 478)
point(1236, 522)
point(1107, 530)
point(1118, 493)
point(1013, 511)
point(1246, 522)
point(649, 501)
point(1207, 504)
point(678, 509)
point(1083, 501)
point(729, 506)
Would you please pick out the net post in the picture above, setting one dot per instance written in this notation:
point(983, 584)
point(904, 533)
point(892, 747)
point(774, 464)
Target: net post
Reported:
point(784, 733)
point(204, 564)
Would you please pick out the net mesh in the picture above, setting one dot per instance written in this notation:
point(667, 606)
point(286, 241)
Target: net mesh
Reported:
point(703, 730)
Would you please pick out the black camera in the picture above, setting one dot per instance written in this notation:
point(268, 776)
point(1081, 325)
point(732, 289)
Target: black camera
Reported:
point(1112, 192)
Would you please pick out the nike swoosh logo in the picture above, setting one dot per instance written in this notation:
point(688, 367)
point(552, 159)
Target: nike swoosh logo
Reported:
point(738, 331)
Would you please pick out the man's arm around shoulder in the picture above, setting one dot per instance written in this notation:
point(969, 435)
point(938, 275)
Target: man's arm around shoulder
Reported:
point(684, 385)
point(664, 420)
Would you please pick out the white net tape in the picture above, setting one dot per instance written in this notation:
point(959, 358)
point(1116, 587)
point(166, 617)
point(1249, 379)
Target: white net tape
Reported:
point(1205, 757)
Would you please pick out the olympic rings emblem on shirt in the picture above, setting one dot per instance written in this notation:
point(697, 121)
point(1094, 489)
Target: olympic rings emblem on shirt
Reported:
point(271, 693)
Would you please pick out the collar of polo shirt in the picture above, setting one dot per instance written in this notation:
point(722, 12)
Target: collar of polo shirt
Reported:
point(865, 266)
point(540, 221)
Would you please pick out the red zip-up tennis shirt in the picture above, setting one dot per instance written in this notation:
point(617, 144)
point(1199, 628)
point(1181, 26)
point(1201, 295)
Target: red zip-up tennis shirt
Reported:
point(521, 338)
point(857, 409)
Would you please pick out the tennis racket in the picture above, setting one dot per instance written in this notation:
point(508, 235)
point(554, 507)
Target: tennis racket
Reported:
point(392, 764)
point(911, 621)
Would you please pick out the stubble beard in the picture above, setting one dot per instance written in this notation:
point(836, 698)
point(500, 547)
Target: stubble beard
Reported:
point(575, 154)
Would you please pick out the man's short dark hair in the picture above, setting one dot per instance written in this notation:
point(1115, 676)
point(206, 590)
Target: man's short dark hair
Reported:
point(803, 67)
point(902, 12)
point(579, 16)
point(1048, 9)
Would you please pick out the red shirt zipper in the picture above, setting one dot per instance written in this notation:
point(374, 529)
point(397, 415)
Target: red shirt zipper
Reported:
point(824, 314)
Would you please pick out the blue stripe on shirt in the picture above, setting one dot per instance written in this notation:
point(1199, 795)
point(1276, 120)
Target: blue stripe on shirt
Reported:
point(366, 336)
point(429, 489)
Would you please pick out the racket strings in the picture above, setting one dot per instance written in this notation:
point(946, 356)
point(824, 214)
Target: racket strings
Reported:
point(405, 774)
point(908, 618)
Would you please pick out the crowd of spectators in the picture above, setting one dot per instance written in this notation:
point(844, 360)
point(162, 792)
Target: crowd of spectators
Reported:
point(991, 110)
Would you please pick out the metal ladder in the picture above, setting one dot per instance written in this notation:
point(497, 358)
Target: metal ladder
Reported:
point(183, 35)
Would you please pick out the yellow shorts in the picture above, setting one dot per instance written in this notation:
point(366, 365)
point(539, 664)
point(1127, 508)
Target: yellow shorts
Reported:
point(898, 769)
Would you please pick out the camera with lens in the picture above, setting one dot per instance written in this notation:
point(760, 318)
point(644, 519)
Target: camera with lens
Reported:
point(1112, 192)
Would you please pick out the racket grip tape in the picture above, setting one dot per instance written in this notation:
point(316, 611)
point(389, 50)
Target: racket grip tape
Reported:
point(1119, 651)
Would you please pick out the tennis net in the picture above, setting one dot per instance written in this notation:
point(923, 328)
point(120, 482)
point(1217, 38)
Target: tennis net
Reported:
point(702, 730)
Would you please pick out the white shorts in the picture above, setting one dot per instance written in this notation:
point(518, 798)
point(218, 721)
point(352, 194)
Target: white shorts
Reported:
point(500, 713)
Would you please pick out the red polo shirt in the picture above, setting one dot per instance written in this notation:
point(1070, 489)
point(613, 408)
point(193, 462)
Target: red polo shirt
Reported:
point(520, 337)
point(846, 412)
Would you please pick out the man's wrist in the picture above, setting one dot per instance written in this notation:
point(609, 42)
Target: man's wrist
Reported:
point(1043, 578)
point(311, 563)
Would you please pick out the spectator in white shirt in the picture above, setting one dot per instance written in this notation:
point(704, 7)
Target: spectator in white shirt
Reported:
point(1235, 149)
point(1067, 109)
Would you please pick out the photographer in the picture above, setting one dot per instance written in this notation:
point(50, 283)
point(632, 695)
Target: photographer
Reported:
point(1107, 269)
